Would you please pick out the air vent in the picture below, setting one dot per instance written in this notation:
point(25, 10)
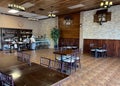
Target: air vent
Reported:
point(41, 9)
point(20, 15)
point(32, 11)
point(76, 6)
point(27, 5)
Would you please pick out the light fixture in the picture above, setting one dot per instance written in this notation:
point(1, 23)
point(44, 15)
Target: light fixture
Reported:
point(13, 11)
point(106, 4)
point(67, 20)
point(15, 8)
point(51, 13)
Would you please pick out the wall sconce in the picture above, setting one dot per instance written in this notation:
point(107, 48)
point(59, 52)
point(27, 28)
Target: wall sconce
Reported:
point(102, 18)
point(80, 24)
point(67, 20)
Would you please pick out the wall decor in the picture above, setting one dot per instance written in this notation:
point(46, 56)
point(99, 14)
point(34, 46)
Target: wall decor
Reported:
point(67, 20)
point(102, 16)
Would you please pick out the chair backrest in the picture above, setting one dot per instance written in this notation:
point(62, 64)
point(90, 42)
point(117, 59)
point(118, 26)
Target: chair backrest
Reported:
point(24, 57)
point(76, 56)
point(6, 80)
point(104, 46)
point(44, 61)
point(19, 56)
point(77, 52)
point(55, 65)
point(92, 45)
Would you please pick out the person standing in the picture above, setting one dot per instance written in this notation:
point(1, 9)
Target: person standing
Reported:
point(32, 42)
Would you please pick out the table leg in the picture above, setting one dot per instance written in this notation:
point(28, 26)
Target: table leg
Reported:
point(10, 48)
point(62, 64)
point(96, 54)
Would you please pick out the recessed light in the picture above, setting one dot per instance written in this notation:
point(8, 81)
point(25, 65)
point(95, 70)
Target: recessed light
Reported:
point(33, 19)
point(13, 11)
point(76, 6)
point(41, 9)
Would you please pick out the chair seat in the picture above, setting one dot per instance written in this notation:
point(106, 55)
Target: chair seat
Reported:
point(59, 58)
point(76, 58)
point(69, 60)
point(92, 49)
point(101, 50)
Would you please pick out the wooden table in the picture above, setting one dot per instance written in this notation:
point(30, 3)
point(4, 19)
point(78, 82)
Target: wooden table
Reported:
point(35, 75)
point(63, 52)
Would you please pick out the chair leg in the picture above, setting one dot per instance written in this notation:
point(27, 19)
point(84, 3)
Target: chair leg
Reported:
point(76, 66)
point(102, 54)
point(80, 64)
point(105, 54)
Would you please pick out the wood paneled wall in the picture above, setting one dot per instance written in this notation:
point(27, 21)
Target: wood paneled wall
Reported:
point(112, 46)
point(71, 31)
point(68, 42)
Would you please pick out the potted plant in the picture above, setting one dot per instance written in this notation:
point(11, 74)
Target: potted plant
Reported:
point(55, 34)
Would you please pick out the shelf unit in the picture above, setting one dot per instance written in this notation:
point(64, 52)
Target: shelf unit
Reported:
point(26, 33)
point(10, 34)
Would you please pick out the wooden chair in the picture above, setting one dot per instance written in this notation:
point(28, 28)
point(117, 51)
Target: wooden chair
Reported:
point(6, 80)
point(45, 62)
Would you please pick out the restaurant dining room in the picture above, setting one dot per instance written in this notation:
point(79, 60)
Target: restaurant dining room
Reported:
point(59, 43)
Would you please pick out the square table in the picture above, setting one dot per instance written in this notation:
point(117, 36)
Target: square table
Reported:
point(34, 75)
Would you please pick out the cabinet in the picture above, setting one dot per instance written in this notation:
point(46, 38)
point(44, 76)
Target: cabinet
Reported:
point(42, 43)
point(8, 35)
